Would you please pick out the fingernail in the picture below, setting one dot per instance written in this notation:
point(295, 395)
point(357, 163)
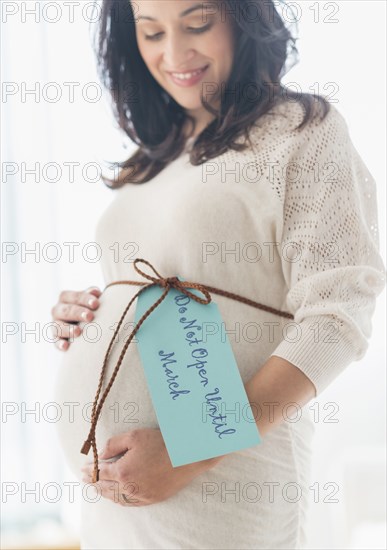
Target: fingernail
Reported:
point(94, 288)
point(85, 315)
point(92, 302)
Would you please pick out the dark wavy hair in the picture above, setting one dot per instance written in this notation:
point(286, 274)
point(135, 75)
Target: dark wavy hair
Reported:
point(264, 48)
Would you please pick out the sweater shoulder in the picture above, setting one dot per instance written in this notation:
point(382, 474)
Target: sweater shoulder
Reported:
point(281, 124)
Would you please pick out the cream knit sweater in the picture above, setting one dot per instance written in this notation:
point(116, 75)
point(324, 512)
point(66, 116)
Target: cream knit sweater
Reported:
point(290, 223)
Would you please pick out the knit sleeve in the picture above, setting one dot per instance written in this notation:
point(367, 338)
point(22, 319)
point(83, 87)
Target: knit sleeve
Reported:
point(329, 252)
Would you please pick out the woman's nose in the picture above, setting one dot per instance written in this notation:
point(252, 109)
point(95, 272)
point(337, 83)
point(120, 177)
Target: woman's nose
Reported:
point(177, 53)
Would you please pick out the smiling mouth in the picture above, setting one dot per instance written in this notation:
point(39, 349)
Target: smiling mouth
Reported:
point(188, 75)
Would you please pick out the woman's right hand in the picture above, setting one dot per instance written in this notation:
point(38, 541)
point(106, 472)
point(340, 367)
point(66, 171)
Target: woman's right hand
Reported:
point(73, 307)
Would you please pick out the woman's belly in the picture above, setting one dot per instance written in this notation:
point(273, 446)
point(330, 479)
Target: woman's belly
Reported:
point(128, 404)
point(226, 520)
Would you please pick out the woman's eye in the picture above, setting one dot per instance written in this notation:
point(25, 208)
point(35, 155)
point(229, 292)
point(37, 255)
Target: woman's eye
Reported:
point(152, 36)
point(199, 29)
point(195, 30)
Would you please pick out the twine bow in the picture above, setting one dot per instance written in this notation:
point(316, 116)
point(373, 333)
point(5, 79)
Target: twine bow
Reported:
point(167, 283)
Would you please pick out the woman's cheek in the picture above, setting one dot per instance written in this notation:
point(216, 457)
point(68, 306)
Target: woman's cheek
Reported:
point(222, 43)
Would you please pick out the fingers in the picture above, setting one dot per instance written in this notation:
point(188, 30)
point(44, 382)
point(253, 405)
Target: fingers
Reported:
point(73, 312)
point(116, 492)
point(115, 466)
point(116, 445)
point(72, 308)
point(66, 330)
point(94, 290)
point(73, 303)
point(62, 344)
point(107, 471)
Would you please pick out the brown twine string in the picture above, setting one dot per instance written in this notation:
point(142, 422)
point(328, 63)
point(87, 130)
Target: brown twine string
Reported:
point(167, 283)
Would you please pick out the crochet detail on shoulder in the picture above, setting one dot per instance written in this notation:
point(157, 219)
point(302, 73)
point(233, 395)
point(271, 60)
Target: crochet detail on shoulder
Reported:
point(329, 188)
point(284, 118)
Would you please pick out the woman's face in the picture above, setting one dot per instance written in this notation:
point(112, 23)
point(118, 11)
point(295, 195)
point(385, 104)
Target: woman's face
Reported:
point(178, 38)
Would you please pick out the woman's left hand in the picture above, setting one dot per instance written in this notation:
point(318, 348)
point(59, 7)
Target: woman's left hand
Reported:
point(144, 474)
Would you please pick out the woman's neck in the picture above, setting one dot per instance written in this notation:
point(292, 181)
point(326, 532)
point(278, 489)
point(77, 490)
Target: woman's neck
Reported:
point(199, 126)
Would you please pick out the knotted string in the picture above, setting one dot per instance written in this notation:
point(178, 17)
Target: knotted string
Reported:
point(167, 283)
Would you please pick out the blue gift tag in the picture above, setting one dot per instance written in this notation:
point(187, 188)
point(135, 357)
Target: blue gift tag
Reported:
point(196, 388)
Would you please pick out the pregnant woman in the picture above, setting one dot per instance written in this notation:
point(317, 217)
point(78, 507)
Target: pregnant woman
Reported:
point(239, 184)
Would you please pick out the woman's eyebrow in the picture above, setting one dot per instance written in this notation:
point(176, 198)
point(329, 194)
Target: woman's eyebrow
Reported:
point(182, 14)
